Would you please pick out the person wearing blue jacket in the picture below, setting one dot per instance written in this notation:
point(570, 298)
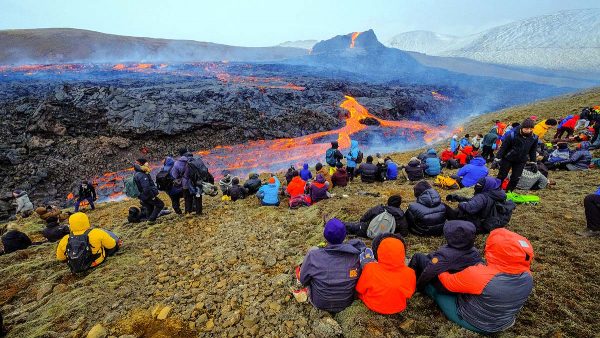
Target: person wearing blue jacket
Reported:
point(392, 169)
point(465, 141)
point(351, 159)
point(591, 203)
point(468, 175)
point(305, 173)
point(454, 144)
point(268, 194)
point(431, 160)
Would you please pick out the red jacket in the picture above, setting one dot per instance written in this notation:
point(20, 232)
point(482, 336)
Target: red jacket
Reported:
point(385, 285)
point(446, 155)
point(296, 187)
point(463, 155)
point(571, 123)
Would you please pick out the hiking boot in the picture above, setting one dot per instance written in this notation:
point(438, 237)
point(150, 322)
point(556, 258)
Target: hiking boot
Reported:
point(588, 233)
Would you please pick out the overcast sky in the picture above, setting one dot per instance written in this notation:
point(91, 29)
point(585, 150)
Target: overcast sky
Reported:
point(270, 22)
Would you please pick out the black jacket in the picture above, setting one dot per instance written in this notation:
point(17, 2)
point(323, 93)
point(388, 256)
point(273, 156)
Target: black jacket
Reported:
point(518, 148)
point(368, 172)
point(253, 184)
point(401, 224)
point(414, 171)
point(54, 232)
point(145, 184)
point(426, 216)
point(87, 192)
point(237, 192)
point(15, 240)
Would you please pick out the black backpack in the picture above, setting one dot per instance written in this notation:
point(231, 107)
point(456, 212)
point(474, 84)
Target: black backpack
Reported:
point(198, 172)
point(79, 252)
point(360, 157)
point(499, 214)
point(164, 180)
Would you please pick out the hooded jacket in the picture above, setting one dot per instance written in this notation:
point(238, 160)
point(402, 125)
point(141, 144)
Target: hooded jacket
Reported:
point(14, 240)
point(352, 155)
point(458, 254)
point(490, 138)
point(253, 184)
point(331, 274)
point(392, 170)
point(87, 192)
point(326, 175)
point(401, 223)
point(144, 183)
point(434, 167)
point(464, 142)
point(426, 216)
point(541, 129)
point(571, 123)
point(472, 172)
point(54, 232)
point(454, 145)
point(168, 165)
point(518, 148)
point(305, 173)
point(99, 239)
point(368, 172)
point(23, 203)
point(446, 155)
point(237, 192)
point(464, 155)
point(581, 158)
point(492, 294)
point(478, 207)
point(318, 190)
point(386, 284)
point(414, 171)
point(269, 193)
point(559, 155)
point(296, 187)
point(180, 172)
point(340, 178)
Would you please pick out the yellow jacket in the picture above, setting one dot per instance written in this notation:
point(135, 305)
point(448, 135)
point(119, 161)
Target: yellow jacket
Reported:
point(540, 129)
point(99, 239)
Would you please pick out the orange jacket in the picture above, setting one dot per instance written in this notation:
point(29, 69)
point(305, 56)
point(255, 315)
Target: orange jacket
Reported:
point(296, 187)
point(463, 155)
point(385, 285)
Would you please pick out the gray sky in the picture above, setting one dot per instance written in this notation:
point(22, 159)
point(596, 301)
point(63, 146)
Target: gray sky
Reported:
point(270, 22)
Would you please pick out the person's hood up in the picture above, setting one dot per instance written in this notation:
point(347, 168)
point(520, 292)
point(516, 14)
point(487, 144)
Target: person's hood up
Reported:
point(494, 130)
point(585, 145)
point(169, 161)
point(21, 193)
point(79, 223)
point(142, 168)
point(459, 234)
point(414, 163)
point(320, 179)
point(431, 151)
point(297, 180)
point(353, 144)
point(429, 198)
point(305, 166)
point(253, 176)
point(489, 183)
point(183, 158)
point(509, 252)
point(342, 170)
point(420, 187)
point(478, 161)
point(391, 253)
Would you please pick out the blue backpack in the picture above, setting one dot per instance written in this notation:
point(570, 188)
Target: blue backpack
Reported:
point(330, 157)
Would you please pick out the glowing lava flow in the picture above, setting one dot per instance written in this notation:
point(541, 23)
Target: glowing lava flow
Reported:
point(274, 155)
point(354, 36)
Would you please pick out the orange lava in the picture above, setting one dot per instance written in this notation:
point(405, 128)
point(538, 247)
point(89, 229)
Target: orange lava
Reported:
point(354, 36)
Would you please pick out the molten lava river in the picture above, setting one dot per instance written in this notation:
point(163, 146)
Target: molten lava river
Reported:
point(279, 154)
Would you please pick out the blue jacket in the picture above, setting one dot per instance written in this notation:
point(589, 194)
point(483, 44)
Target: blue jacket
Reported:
point(434, 167)
point(305, 173)
point(180, 171)
point(598, 191)
point(392, 170)
point(352, 155)
point(168, 166)
point(464, 142)
point(453, 145)
point(472, 172)
point(269, 193)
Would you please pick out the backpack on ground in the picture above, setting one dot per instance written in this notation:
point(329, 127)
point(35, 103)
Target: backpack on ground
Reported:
point(164, 180)
point(381, 224)
point(299, 201)
point(499, 215)
point(522, 199)
point(198, 172)
point(446, 182)
point(79, 252)
point(131, 189)
point(360, 157)
point(330, 157)
point(209, 189)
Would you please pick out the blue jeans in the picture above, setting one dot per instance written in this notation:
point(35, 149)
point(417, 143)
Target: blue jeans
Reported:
point(447, 303)
point(88, 199)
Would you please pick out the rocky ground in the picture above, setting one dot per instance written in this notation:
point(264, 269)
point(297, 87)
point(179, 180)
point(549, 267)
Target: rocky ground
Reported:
point(228, 272)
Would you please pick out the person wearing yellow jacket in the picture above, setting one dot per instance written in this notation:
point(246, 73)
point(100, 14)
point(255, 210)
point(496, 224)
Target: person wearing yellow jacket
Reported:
point(103, 242)
point(541, 128)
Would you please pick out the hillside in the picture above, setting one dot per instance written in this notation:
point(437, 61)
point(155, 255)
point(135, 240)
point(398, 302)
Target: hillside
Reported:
point(67, 45)
point(566, 40)
point(227, 273)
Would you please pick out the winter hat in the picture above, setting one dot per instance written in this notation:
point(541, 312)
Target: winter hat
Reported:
point(412, 159)
point(335, 231)
point(394, 201)
point(182, 151)
point(533, 117)
point(551, 122)
point(339, 165)
point(235, 180)
point(320, 178)
point(142, 161)
point(318, 166)
point(420, 187)
point(528, 123)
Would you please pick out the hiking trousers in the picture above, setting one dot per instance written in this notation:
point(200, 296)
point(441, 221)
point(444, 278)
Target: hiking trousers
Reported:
point(449, 306)
point(154, 207)
point(591, 203)
point(357, 228)
point(350, 173)
point(487, 153)
point(515, 176)
point(175, 201)
point(192, 203)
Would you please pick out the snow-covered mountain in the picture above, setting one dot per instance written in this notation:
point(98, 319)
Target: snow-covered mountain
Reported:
point(567, 40)
point(304, 44)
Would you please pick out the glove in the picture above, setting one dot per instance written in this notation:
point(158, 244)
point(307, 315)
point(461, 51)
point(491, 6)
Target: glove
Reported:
point(366, 256)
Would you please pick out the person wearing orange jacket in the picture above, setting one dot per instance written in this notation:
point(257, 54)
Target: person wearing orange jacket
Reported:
point(386, 283)
point(464, 155)
point(486, 298)
point(297, 185)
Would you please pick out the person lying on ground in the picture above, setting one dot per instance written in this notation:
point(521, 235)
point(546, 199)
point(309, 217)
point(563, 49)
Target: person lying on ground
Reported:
point(579, 160)
point(393, 207)
point(427, 215)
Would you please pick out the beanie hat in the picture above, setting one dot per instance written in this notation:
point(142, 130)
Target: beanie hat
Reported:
point(272, 180)
point(335, 231)
point(235, 181)
point(318, 166)
point(394, 201)
point(339, 165)
point(421, 187)
point(528, 123)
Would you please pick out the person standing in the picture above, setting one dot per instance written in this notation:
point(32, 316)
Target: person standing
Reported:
point(517, 149)
point(86, 193)
point(148, 191)
point(352, 159)
point(333, 156)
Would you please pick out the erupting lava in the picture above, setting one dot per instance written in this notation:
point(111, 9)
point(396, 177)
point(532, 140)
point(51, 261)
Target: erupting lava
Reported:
point(354, 36)
point(273, 155)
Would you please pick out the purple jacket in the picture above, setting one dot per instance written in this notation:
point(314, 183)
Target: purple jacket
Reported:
point(180, 171)
point(318, 190)
point(331, 274)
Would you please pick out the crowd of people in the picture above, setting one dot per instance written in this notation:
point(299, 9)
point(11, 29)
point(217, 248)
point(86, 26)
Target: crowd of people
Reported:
point(470, 291)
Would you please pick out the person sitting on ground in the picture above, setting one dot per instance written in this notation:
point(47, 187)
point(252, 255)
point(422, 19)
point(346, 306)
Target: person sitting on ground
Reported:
point(340, 177)
point(268, 194)
point(103, 243)
point(458, 254)
point(320, 169)
point(542, 127)
point(464, 156)
point(591, 204)
point(236, 191)
point(24, 205)
point(318, 189)
point(486, 298)
point(297, 186)
point(381, 175)
point(148, 191)
point(367, 171)
point(289, 175)
point(454, 145)
point(352, 160)
point(86, 193)
point(468, 175)
point(330, 289)
point(560, 154)
point(54, 231)
point(465, 141)
point(386, 283)
point(391, 169)
point(333, 156)
point(225, 182)
point(48, 211)
point(305, 173)
point(532, 178)
point(393, 207)
point(253, 184)
point(478, 209)
point(579, 160)
point(432, 163)
point(447, 159)
point(427, 215)
point(14, 239)
point(476, 142)
point(414, 171)
point(489, 140)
